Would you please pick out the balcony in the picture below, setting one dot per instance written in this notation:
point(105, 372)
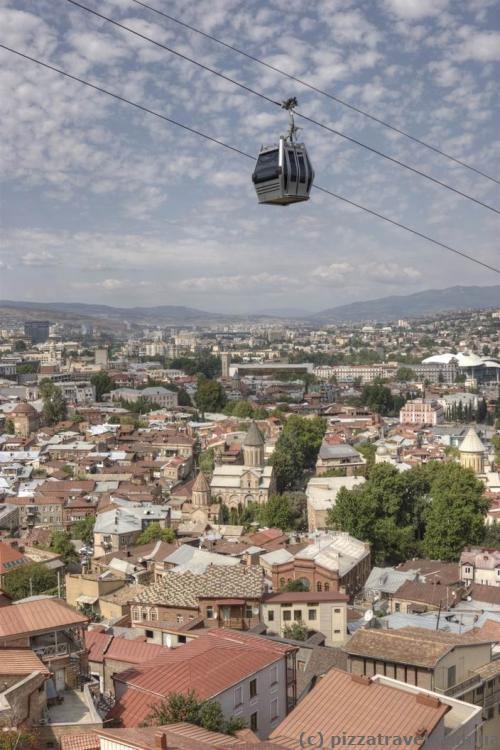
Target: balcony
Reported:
point(460, 687)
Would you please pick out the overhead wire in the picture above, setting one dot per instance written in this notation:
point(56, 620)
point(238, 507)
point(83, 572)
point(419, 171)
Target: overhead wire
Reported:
point(275, 102)
point(316, 89)
point(239, 151)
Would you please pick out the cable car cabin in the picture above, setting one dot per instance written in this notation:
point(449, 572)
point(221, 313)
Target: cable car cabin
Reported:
point(283, 174)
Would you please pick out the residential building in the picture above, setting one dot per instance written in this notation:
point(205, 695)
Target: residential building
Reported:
point(250, 677)
point(324, 612)
point(420, 411)
point(334, 562)
point(480, 565)
point(161, 396)
point(119, 528)
point(343, 705)
point(450, 664)
point(339, 456)
point(25, 419)
point(23, 698)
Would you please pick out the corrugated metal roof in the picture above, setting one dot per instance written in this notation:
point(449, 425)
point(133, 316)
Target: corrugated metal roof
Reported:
point(133, 651)
point(97, 643)
point(341, 705)
point(36, 616)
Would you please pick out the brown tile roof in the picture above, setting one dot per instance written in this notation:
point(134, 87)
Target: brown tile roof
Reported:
point(416, 646)
point(345, 704)
point(80, 741)
point(185, 589)
point(426, 593)
point(133, 651)
point(10, 558)
point(481, 593)
point(433, 570)
point(37, 615)
point(208, 665)
point(490, 630)
point(16, 661)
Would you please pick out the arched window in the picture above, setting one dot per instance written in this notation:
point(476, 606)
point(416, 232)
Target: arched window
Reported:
point(318, 586)
point(282, 582)
point(327, 587)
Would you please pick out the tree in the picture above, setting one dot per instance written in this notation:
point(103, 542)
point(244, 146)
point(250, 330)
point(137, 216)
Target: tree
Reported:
point(20, 346)
point(154, 533)
point(286, 512)
point(405, 375)
point(9, 427)
point(17, 582)
point(455, 517)
point(210, 395)
point(60, 542)
point(54, 404)
point(241, 409)
point(297, 450)
point(297, 585)
point(183, 398)
point(178, 707)
point(84, 529)
point(103, 383)
point(492, 535)
point(296, 632)
point(206, 461)
point(17, 739)
point(368, 451)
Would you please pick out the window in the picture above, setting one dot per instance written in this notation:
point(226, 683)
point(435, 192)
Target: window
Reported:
point(180, 619)
point(253, 722)
point(452, 675)
point(338, 631)
point(327, 587)
point(181, 639)
point(238, 696)
point(253, 688)
point(210, 613)
point(337, 611)
point(267, 167)
point(490, 713)
point(301, 665)
point(297, 614)
point(287, 615)
point(311, 614)
point(282, 582)
point(397, 607)
point(149, 634)
point(319, 586)
point(248, 611)
point(270, 615)
point(144, 614)
point(274, 709)
point(273, 674)
point(467, 570)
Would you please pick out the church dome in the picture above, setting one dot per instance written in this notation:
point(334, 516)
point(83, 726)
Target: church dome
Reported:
point(471, 443)
point(254, 437)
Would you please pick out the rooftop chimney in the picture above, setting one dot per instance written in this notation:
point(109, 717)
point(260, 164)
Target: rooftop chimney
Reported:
point(160, 741)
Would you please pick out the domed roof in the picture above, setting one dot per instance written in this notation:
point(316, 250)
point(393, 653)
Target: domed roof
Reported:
point(254, 436)
point(24, 409)
point(471, 443)
point(382, 450)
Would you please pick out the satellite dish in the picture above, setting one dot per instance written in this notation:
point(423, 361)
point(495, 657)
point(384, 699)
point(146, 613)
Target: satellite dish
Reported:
point(368, 615)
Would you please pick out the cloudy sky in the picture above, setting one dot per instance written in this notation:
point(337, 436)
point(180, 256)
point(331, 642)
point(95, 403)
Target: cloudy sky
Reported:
point(102, 203)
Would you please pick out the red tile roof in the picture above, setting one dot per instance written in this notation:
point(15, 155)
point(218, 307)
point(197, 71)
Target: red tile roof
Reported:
point(10, 558)
point(208, 665)
point(37, 616)
point(97, 643)
point(133, 651)
point(181, 735)
point(342, 703)
point(14, 661)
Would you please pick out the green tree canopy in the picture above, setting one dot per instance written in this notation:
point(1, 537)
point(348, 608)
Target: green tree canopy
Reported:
point(286, 511)
point(405, 374)
point(206, 461)
point(84, 529)
point(103, 384)
point(189, 708)
point(210, 395)
point(296, 632)
point(437, 508)
point(60, 542)
point(154, 533)
point(17, 582)
point(297, 450)
point(55, 408)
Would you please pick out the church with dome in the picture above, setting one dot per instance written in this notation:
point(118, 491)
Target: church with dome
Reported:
point(235, 486)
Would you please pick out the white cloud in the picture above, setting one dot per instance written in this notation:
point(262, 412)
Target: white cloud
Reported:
point(481, 46)
point(414, 10)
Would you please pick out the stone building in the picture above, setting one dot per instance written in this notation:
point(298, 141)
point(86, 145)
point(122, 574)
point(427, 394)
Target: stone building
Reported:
point(253, 482)
point(25, 419)
point(472, 452)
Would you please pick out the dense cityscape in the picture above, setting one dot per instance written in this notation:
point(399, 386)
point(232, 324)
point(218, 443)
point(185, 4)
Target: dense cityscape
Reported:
point(217, 526)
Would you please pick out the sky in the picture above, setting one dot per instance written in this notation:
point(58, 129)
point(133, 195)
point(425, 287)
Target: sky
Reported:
point(103, 203)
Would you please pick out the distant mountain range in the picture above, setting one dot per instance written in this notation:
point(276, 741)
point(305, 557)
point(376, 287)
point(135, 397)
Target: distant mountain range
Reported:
point(383, 310)
point(414, 305)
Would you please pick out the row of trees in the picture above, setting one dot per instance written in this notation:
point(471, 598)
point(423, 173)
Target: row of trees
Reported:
point(433, 509)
